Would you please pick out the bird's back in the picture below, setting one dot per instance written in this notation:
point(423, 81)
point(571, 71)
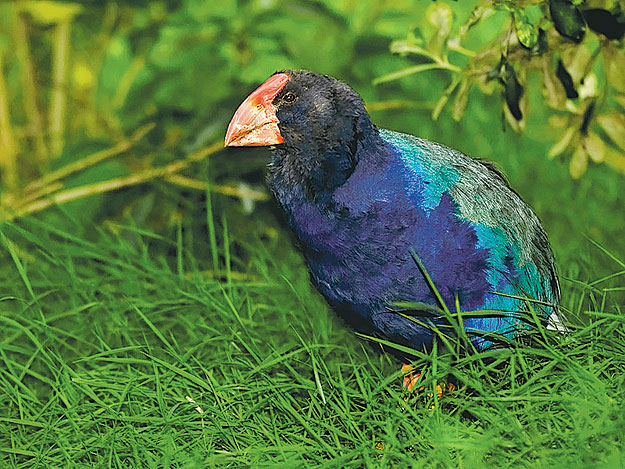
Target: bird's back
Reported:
point(503, 222)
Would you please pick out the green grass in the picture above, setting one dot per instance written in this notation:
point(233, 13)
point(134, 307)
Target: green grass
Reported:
point(121, 351)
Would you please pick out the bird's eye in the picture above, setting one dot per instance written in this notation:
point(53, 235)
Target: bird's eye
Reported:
point(289, 97)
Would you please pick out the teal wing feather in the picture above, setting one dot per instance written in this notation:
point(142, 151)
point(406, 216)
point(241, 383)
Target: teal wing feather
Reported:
point(521, 262)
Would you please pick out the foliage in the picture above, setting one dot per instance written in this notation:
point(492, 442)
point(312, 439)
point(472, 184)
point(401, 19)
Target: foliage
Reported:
point(559, 41)
point(92, 94)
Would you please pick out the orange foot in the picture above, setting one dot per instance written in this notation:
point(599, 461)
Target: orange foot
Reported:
point(411, 378)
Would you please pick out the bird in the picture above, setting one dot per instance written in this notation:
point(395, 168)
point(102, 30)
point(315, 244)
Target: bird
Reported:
point(396, 229)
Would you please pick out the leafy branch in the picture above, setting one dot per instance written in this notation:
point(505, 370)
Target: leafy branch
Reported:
point(70, 102)
point(560, 41)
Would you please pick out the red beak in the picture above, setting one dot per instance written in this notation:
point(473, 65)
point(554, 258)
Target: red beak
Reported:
point(255, 122)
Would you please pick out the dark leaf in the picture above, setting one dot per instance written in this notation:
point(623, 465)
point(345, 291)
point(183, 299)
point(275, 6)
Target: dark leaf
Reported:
point(567, 19)
point(567, 82)
point(513, 89)
point(587, 118)
point(603, 22)
point(541, 44)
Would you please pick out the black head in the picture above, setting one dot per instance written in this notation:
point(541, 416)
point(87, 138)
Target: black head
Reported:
point(324, 125)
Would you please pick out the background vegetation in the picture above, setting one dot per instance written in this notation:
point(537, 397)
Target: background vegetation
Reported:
point(154, 312)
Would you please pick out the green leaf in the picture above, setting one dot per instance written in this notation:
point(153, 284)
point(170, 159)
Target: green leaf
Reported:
point(614, 66)
point(526, 32)
point(461, 100)
point(440, 16)
point(620, 99)
point(552, 88)
point(615, 159)
point(576, 60)
point(594, 146)
point(406, 72)
point(578, 163)
point(563, 143)
point(613, 123)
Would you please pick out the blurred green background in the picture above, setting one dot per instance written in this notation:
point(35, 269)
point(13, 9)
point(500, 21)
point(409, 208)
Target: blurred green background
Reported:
point(116, 194)
point(78, 78)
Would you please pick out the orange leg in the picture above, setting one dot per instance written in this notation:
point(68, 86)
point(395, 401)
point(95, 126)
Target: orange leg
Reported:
point(411, 378)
